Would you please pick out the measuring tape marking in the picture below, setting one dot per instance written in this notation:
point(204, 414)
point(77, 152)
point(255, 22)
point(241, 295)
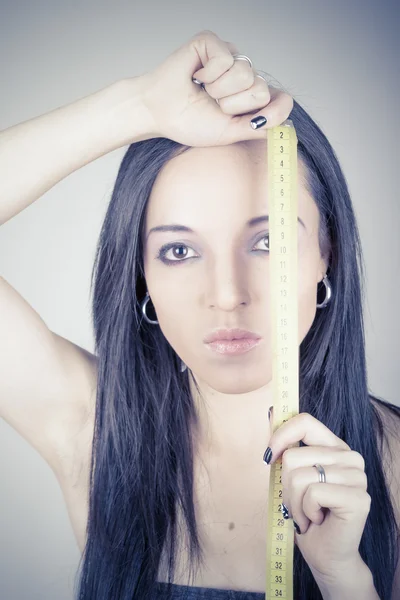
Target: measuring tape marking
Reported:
point(282, 185)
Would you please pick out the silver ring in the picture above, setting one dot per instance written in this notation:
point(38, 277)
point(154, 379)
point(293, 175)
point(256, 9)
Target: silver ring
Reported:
point(242, 57)
point(321, 472)
point(235, 57)
point(198, 82)
point(262, 77)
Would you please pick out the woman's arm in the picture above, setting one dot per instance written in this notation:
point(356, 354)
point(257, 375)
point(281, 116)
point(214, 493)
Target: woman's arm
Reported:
point(36, 154)
point(47, 382)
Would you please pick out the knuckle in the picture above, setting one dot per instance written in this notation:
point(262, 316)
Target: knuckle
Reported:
point(303, 417)
point(283, 106)
point(288, 100)
point(204, 32)
point(245, 75)
point(228, 60)
point(312, 490)
point(362, 499)
point(232, 48)
point(358, 459)
point(295, 480)
point(286, 459)
point(364, 480)
point(263, 95)
point(365, 502)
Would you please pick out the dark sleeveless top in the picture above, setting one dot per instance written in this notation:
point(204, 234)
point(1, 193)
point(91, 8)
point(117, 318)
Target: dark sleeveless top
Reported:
point(185, 592)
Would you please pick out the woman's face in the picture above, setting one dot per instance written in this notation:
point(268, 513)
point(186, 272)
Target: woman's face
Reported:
point(217, 274)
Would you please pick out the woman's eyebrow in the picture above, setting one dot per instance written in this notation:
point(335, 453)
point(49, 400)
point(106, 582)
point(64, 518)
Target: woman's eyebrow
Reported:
point(263, 218)
point(250, 223)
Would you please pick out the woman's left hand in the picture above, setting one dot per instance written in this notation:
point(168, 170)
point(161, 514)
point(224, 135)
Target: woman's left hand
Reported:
point(331, 515)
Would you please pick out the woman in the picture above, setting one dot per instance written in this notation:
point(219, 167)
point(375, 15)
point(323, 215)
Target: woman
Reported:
point(169, 426)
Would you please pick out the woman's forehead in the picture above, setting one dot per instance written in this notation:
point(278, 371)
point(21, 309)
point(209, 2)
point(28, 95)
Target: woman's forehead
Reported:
point(207, 183)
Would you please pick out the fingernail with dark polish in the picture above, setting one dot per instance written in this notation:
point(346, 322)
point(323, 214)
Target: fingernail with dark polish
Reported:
point(267, 456)
point(258, 122)
point(270, 412)
point(297, 528)
point(285, 511)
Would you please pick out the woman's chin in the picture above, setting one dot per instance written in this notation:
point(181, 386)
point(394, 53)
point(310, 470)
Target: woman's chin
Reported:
point(237, 381)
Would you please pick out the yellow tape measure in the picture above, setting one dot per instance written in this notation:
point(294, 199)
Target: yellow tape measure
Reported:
point(283, 201)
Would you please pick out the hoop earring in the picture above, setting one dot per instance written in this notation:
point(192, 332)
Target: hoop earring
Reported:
point(183, 366)
point(328, 289)
point(144, 305)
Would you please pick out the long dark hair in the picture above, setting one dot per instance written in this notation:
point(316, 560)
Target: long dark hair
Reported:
point(142, 453)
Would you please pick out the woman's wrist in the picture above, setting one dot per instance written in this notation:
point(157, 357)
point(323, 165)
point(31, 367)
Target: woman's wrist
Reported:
point(55, 144)
point(356, 584)
point(126, 117)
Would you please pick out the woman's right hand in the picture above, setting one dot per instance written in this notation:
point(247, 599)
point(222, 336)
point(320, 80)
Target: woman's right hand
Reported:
point(183, 111)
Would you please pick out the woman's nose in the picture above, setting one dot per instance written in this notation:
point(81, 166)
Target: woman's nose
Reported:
point(228, 285)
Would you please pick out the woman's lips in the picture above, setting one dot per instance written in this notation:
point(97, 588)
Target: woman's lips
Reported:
point(233, 346)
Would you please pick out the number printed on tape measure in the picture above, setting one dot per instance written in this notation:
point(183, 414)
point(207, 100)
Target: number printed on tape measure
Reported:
point(282, 171)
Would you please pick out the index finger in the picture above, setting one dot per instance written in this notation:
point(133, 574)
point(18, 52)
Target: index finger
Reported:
point(306, 428)
point(214, 55)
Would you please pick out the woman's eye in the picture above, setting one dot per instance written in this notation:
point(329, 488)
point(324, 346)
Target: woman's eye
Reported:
point(178, 254)
point(265, 247)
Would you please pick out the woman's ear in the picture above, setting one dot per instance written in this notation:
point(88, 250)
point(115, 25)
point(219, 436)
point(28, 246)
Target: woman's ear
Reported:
point(322, 269)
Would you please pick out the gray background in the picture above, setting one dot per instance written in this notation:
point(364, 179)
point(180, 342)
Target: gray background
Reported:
point(338, 59)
